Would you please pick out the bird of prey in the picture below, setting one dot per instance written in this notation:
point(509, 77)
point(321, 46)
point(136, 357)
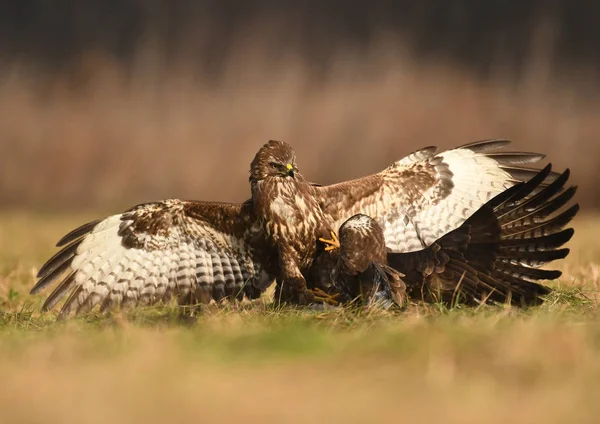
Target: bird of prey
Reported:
point(200, 251)
point(360, 271)
point(493, 256)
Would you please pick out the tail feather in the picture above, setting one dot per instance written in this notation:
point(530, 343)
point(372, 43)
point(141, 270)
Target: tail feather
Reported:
point(388, 286)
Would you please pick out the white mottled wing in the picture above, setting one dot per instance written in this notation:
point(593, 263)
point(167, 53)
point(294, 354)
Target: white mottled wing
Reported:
point(151, 252)
point(426, 195)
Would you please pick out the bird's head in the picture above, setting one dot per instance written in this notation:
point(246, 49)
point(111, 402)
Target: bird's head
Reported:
point(361, 241)
point(275, 159)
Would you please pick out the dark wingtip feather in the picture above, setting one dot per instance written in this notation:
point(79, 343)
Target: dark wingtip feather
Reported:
point(551, 274)
point(485, 145)
point(565, 236)
point(539, 257)
point(50, 277)
point(59, 292)
point(527, 272)
point(77, 233)
point(556, 187)
point(520, 173)
point(569, 214)
point(559, 201)
point(553, 255)
point(69, 304)
point(523, 189)
point(516, 158)
point(55, 261)
point(550, 241)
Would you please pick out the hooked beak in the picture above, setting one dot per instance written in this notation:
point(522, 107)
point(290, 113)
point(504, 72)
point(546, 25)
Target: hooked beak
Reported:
point(290, 170)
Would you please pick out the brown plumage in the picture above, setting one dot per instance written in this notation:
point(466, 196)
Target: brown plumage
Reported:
point(361, 272)
point(290, 216)
point(200, 251)
point(493, 257)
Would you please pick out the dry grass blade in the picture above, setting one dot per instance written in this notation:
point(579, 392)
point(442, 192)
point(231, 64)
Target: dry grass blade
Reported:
point(157, 364)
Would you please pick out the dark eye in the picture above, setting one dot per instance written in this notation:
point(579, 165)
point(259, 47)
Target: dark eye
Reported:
point(274, 165)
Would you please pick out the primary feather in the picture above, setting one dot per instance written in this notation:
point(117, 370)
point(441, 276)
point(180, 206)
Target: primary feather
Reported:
point(426, 195)
point(494, 256)
point(195, 250)
point(203, 251)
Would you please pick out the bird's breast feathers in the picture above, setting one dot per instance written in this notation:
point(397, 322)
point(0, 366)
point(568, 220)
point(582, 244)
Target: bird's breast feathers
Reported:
point(291, 212)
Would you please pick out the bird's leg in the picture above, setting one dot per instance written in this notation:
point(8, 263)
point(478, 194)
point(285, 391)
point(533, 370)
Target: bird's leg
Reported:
point(331, 244)
point(293, 290)
point(291, 286)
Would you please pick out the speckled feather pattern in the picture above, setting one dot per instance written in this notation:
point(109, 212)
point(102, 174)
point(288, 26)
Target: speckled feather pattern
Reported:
point(422, 197)
point(199, 251)
point(157, 250)
point(361, 271)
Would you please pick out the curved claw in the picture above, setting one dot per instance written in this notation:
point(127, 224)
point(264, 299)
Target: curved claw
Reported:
point(321, 296)
point(331, 244)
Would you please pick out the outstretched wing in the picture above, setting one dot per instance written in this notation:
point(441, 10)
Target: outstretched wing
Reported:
point(497, 253)
point(196, 249)
point(426, 195)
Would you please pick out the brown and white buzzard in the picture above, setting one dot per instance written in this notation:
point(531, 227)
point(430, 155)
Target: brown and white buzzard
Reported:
point(495, 255)
point(199, 251)
point(360, 272)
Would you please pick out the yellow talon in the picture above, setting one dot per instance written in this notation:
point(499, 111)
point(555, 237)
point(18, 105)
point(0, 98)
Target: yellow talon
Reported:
point(333, 243)
point(321, 296)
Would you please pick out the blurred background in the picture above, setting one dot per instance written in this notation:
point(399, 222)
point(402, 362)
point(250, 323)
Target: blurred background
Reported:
point(105, 104)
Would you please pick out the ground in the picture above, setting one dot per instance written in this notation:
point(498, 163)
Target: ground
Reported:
point(257, 363)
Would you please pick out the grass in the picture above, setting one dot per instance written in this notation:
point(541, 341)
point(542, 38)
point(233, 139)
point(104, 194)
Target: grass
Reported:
point(258, 363)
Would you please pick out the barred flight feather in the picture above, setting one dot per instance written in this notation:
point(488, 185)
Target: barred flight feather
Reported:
point(426, 195)
point(432, 206)
point(496, 254)
point(151, 252)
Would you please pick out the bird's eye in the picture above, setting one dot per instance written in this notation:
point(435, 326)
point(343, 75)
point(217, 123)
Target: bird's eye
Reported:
point(274, 165)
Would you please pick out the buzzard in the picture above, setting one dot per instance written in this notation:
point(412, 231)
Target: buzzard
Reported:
point(200, 251)
point(494, 255)
point(360, 271)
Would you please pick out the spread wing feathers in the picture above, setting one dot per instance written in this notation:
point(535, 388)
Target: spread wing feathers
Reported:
point(424, 196)
point(194, 250)
point(497, 253)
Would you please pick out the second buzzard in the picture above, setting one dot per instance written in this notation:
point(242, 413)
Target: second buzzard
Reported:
point(200, 251)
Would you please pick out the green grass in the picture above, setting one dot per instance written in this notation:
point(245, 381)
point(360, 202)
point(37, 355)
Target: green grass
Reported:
point(257, 362)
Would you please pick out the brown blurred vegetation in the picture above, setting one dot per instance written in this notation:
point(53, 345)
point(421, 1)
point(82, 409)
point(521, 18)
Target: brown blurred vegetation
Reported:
point(108, 104)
